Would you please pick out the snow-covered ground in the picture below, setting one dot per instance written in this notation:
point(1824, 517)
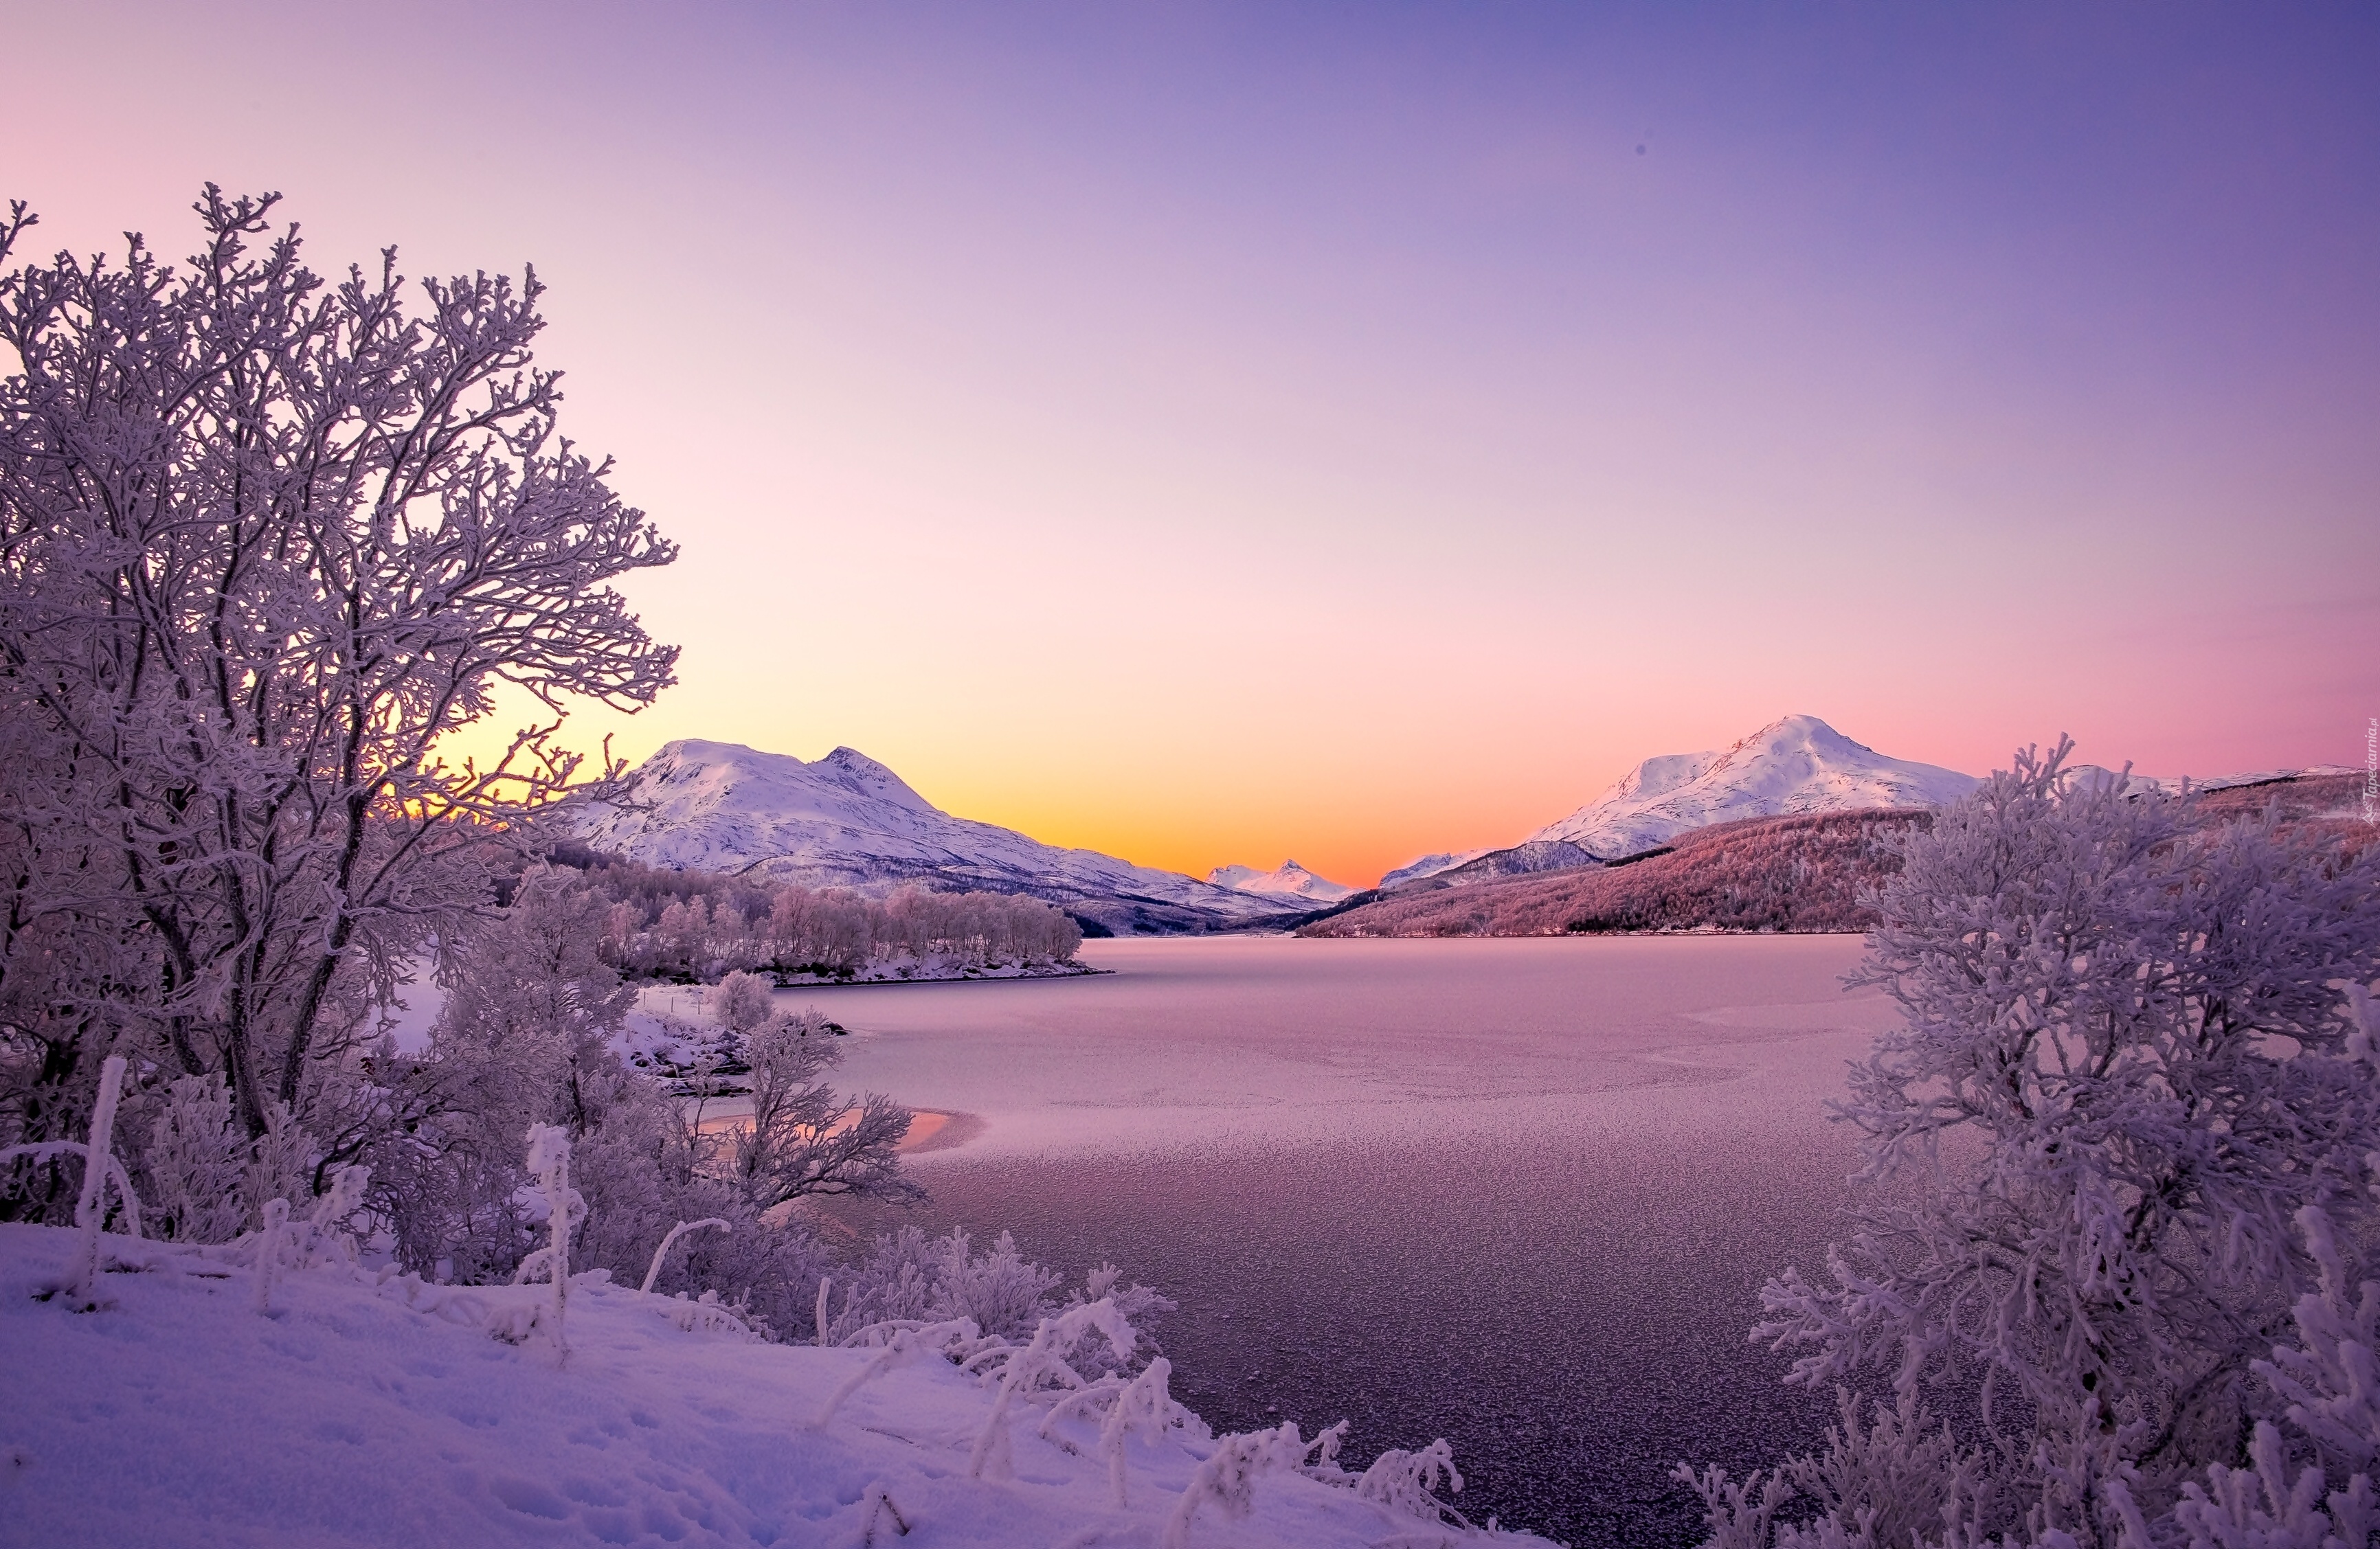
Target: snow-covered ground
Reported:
point(369, 1408)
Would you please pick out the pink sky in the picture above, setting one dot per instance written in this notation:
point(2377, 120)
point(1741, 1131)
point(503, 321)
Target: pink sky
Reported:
point(1207, 437)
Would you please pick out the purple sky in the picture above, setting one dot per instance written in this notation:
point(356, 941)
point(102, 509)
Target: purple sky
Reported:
point(1224, 432)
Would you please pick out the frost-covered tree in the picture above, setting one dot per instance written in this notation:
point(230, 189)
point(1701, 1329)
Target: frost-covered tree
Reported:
point(803, 1139)
point(266, 541)
point(2127, 1062)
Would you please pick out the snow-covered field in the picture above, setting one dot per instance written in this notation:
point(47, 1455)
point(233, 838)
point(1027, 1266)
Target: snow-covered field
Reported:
point(371, 1409)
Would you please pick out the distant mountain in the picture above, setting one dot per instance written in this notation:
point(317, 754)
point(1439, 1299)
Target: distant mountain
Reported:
point(1289, 881)
point(847, 820)
point(1794, 766)
point(1803, 872)
point(1800, 873)
point(1429, 865)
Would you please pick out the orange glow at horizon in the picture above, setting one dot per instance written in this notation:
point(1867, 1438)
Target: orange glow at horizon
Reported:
point(1229, 436)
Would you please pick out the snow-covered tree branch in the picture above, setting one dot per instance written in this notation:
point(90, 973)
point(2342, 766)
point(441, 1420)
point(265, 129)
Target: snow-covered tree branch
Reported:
point(2129, 1065)
point(266, 541)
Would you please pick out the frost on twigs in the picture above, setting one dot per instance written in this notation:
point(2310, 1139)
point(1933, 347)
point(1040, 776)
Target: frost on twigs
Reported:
point(549, 1159)
point(98, 1159)
point(273, 539)
point(1409, 1482)
point(1040, 1364)
point(1226, 1481)
point(2124, 1127)
point(1141, 1405)
point(876, 1512)
point(901, 1347)
point(268, 1253)
point(653, 1272)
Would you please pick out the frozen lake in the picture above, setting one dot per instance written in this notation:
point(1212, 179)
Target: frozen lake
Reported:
point(1518, 1193)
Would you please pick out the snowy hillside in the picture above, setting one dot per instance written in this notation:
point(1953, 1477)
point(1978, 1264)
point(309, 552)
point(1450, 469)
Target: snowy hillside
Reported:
point(1429, 865)
point(847, 820)
point(1287, 881)
point(370, 1408)
point(1796, 764)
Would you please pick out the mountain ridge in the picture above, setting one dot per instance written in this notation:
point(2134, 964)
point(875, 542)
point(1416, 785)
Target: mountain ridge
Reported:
point(1288, 881)
point(1795, 764)
point(848, 821)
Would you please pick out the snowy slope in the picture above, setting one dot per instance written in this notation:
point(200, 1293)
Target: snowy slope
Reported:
point(1796, 764)
point(2172, 785)
point(847, 820)
point(371, 1412)
point(1288, 881)
point(1429, 865)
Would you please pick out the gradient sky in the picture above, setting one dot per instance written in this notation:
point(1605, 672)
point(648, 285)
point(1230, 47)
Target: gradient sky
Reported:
point(1213, 433)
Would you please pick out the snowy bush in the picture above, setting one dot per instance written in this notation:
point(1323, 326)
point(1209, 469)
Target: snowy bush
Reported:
point(196, 1164)
point(1042, 1363)
point(908, 1277)
point(1409, 1482)
point(2129, 1060)
point(1127, 1407)
point(741, 1001)
point(1226, 1481)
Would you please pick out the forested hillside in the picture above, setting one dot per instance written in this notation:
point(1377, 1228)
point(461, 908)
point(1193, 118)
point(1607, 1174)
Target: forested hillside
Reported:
point(1784, 874)
point(1775, 873)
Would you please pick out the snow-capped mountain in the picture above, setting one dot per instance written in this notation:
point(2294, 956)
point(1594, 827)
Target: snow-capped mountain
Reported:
point(1288, 881)
point(1429, 865)
point(847, 820)
point(1796, 764)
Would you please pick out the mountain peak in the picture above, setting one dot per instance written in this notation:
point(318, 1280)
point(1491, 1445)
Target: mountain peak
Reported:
point(847, 820)
point(858, 772)
point(1287, 880)
point(1795, 764)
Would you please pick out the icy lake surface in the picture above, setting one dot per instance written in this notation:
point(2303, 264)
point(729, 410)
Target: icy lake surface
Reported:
point(1518, 1193)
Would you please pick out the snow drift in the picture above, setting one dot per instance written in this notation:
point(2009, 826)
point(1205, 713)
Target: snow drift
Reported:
point(372, 1408)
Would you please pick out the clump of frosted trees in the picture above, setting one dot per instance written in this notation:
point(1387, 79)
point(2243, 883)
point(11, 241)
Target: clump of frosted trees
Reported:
point(668, 924)
point(2112, 1268)
point(267, 541)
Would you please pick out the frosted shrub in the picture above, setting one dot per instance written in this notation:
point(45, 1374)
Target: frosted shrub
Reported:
point(2260, 1507)
point(803, 1139)
point(196, 1163)
point(1141, 1405)
point(1227, 1480)
point(267, 1267)
point(741, 1001)
point(900, 1347)
point(653, 1272)
point(1042, 1363)
point(909, 1276)
point(1882, 1483)
point(2125, 1064)
point(1409, 1482)
point(2331, 1379)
